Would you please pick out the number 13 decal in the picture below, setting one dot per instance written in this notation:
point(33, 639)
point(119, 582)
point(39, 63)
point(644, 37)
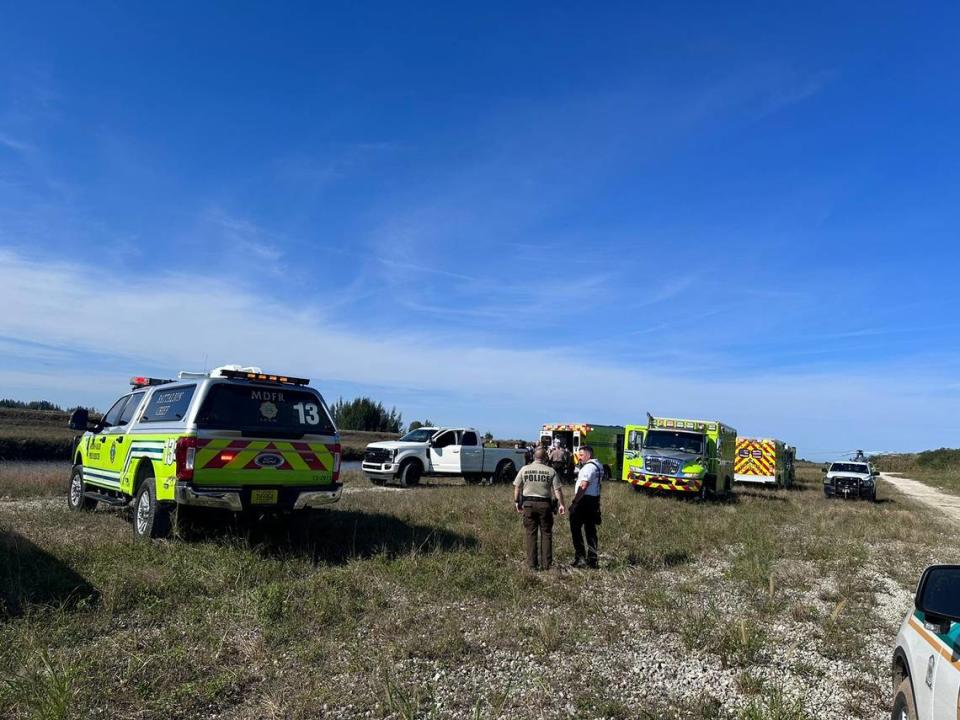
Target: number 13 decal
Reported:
point(309, 413)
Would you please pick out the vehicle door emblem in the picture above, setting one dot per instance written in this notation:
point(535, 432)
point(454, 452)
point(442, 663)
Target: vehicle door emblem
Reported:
point(113, 451)
point(930, 665)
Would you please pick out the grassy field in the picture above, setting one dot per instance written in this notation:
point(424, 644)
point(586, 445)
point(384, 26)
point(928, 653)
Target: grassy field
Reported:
point(44, 435)
point(940, 468)
point(415, 603)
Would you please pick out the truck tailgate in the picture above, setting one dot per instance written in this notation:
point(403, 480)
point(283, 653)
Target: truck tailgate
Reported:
point(236, 462)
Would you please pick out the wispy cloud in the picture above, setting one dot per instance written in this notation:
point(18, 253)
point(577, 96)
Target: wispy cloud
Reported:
point(248, 239)
point(13, 143)
point(232, 323)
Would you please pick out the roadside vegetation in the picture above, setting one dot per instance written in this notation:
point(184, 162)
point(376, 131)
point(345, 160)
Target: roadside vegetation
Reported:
point(940, 468)
point(362, 413)
point(415, 603)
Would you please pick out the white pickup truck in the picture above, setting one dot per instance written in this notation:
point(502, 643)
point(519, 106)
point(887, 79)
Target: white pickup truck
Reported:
point(439, 451)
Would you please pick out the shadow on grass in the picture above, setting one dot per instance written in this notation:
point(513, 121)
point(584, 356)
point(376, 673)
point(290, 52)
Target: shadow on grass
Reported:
point(31, 576)
point(766, 496)
point(325, 536)
point(651, 560)
point(687, 497)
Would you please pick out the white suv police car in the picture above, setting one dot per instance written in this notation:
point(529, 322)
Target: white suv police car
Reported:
point(926, 660)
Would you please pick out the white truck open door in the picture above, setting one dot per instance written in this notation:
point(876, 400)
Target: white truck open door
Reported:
point(445, 453)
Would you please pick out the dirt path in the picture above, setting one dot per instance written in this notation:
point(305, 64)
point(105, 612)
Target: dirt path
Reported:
point(921, 492)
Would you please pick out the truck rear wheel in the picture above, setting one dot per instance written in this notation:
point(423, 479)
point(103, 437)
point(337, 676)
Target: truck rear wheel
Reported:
point(410, 473)
point(505, 473)
point(151, 518)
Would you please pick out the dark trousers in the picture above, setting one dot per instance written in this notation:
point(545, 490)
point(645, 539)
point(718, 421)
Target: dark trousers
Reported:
point(538, 521)
point(583, 522)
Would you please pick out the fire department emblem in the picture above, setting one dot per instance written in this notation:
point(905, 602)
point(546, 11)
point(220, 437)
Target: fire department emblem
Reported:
point(113, 452)
point(268, 410)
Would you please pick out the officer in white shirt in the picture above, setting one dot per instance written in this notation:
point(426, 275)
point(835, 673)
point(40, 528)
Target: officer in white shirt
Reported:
point(585, 509)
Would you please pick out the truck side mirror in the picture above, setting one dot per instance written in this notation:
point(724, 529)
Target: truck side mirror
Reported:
point(80, 419)
point(823, 470)
point(938, 597)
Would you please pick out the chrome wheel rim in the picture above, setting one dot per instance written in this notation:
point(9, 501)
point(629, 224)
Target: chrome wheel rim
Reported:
point(76, 489)
point(143, 513)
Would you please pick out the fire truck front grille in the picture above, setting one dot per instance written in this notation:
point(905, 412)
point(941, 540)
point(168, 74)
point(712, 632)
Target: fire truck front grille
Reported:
point(661, 466)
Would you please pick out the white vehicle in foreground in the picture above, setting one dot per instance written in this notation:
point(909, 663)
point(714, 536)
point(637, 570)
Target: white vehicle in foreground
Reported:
point(926, 672)
point(439, 451)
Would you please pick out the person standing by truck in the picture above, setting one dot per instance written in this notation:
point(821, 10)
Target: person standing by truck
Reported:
point(559, 458)
point(533, 489)
point(585, 509)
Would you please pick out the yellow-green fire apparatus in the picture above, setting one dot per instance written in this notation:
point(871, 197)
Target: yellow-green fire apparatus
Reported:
point(606, 441)
point(234, 439)
point(764, 461)
point(678, 455)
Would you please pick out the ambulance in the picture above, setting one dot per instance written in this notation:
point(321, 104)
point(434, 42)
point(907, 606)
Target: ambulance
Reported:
point(764, 461)
point(689, 457)
point(235, 439)
point(606, 441)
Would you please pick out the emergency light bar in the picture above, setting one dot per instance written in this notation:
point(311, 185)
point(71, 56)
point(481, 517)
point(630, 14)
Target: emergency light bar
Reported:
point(568, 428)
point(140, 381)
point(673, 424)
point(263, 377)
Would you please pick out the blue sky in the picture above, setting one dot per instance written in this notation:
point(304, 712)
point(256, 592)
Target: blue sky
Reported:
point(500, 217)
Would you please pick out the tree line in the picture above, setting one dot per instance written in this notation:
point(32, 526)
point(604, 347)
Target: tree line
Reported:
point(362, 413)
point(30, 405)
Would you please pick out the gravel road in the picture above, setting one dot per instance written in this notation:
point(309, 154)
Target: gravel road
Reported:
point(923, 493)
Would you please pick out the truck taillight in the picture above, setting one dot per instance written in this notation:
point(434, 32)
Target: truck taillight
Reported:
point(336, 450)
point(185, 454)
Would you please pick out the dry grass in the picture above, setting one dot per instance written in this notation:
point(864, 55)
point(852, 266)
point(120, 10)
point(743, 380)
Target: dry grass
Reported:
point(33, 479)
point(414, 603)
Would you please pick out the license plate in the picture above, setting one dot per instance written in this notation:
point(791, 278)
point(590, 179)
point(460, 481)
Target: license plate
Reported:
point(263, 497)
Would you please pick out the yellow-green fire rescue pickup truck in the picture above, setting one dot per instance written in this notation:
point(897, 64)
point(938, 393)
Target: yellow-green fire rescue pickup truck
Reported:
point(235, 439)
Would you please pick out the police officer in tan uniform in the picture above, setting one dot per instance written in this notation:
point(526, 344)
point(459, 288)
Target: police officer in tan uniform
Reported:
point(533, 491)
